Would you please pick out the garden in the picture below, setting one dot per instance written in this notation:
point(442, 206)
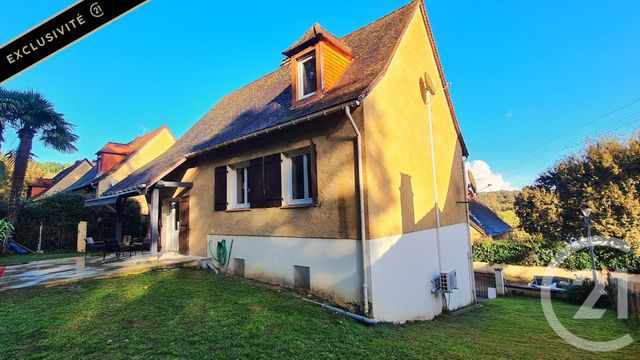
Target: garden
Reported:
point(195, 314)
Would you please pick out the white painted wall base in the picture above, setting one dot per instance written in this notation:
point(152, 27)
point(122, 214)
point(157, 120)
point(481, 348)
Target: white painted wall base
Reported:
point(335, 264)
point(402, 268)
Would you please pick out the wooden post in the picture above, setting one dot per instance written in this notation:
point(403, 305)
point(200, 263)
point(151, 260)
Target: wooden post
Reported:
point(119, 216)
point(500, 289)
point(153, 216)
point(82, 235)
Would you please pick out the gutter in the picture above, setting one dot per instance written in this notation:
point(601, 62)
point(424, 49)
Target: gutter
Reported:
point(366, 258)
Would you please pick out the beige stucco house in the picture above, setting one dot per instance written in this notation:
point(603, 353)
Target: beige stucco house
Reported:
point(342, 171)
point(116, 161)
point(43, 188)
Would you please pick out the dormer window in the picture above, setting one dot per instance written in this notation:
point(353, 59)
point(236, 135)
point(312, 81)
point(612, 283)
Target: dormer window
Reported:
point(318, 61)
point(307, 76)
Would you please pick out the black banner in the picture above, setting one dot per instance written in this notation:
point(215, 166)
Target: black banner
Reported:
point(63, 29)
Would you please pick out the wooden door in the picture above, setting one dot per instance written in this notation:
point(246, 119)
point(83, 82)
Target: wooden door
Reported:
point(183, 208)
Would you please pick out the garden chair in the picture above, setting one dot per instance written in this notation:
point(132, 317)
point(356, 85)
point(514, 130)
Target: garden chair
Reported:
point(92, 246)
point(111, 246)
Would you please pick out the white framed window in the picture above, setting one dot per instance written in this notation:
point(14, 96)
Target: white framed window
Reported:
point(238, 186)
point(307, 76)
point(296, 174)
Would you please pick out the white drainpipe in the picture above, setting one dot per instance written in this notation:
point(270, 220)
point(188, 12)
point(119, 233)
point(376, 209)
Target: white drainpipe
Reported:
point(366, 260)
point(435, 180)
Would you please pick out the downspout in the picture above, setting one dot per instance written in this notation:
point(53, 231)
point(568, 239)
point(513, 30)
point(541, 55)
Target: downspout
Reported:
point(472, 279)
point(366, 260)
point(435, 183)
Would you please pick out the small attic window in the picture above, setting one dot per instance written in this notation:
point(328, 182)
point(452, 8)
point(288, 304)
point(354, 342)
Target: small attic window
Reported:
point(307, 76)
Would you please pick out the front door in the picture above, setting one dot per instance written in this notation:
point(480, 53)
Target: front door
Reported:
point(183, 210)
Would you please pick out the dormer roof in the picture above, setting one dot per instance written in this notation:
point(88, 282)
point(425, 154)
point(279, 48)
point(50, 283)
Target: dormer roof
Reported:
point(315, 34)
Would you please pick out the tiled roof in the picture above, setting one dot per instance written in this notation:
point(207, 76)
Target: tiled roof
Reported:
point(266, 102)
point(85, 180)
point(486, 219)
point(314, 34)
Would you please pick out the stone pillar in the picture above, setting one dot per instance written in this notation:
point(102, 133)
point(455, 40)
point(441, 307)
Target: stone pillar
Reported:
point(82, 234)
point(500, 289)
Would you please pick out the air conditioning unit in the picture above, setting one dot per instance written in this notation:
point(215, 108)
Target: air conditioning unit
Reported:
point(445, 282)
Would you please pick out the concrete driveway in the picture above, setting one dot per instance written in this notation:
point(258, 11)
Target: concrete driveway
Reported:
point(48, 272)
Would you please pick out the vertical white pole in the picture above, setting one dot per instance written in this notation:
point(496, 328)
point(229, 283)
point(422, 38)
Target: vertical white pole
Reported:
point(39, 250)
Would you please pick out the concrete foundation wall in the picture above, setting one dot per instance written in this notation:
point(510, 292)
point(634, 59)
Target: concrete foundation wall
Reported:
point(335, 264)
point(402, 267)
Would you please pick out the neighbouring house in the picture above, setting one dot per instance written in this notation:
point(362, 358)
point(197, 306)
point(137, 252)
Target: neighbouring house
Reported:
point(341, 172)
point(484, 223)
point(116, 161)
point(43, 188)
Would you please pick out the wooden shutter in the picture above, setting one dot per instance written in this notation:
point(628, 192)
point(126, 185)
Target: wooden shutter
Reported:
point(220, 189)
point(256, 183)
point(313, 173)
point(272, 181)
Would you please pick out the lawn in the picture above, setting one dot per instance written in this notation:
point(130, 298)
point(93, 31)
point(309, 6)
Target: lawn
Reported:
point(195, 314)
point(21, 259)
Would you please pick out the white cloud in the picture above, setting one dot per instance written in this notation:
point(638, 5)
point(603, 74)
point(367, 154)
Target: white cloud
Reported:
point(487, 180)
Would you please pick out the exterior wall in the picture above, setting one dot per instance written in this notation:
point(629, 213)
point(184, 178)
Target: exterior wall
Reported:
point(273, 240)
point(334, 272)
point(334, 64)
point(68, 180)
point(106, 161)
point(152, 149)
point(403, 266)
point(335, 219)
point(400, 191)
point(35, 190)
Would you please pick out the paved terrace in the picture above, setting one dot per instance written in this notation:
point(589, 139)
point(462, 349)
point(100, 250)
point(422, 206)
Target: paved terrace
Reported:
point(49, 272)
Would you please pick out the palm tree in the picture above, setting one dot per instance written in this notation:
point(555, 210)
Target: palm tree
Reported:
point(7, 108)
point(32, 114)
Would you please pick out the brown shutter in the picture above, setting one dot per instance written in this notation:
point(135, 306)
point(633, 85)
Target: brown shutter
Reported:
point(272, 181)
point(256, 183)
point(220, 189)
point(313, 172)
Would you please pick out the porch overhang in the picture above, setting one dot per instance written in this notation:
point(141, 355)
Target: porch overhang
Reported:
point(110, 199)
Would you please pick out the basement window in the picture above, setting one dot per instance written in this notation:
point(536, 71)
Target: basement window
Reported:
point(307, 76)
point(302, 277)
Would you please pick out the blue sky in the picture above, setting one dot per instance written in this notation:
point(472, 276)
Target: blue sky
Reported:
point(530, 79)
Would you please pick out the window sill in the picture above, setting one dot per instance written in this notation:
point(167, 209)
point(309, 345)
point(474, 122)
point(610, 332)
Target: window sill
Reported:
point(298, 206)
point(238, 210)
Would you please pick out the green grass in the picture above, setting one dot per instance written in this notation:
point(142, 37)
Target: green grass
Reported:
point(21, 259)
point(194, 314)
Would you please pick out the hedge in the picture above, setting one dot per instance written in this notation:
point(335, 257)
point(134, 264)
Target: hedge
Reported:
point(542, 252)
point(60, 215)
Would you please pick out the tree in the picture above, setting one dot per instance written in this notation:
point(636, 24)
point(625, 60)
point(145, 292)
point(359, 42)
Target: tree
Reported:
point(32, 114)
point(605, 177)
point(35, 170)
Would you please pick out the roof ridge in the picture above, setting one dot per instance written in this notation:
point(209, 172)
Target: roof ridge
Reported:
point(412, 2)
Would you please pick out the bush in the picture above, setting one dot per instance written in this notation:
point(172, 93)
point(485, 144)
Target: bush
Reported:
point(60, 215)
point(578, 294)
point(535, 252)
